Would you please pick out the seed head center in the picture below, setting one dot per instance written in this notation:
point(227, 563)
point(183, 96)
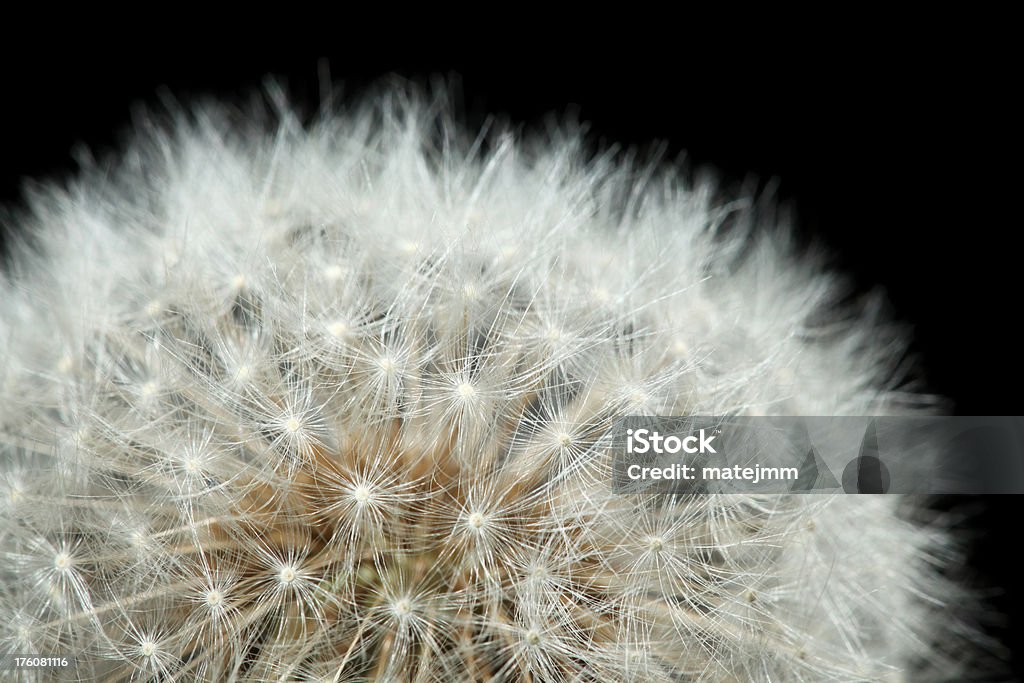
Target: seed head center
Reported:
point(338, 329)
point(287, 575)
point(361, 493)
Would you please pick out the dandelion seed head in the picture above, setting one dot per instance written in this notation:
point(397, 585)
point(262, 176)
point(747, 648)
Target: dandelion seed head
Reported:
point(331, 401)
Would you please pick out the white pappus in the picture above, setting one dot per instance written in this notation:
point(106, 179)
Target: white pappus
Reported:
point(321, 400)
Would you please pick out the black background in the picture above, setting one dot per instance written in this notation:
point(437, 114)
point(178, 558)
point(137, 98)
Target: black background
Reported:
point(893, 149)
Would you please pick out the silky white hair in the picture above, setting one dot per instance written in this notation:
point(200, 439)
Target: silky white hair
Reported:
point(322, 400)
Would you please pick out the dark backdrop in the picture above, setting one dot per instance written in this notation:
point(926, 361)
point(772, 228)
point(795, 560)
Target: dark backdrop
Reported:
point(894, 153)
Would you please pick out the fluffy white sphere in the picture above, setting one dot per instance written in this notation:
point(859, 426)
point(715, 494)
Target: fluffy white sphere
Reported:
point(322, 402)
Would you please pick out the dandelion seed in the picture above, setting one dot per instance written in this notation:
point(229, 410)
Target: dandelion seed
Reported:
point(476, 520)
point(402, 607)
point(639, 398)
point(361, 494)
point(338, 329)
point(287, 575)
point(62, 562)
